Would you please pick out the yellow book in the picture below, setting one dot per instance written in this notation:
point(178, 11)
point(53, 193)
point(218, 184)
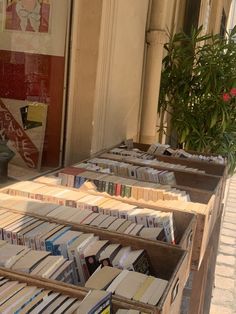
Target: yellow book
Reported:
point(143, 288)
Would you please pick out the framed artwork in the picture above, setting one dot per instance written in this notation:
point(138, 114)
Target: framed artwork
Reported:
point(27, 15)
point(22, 125)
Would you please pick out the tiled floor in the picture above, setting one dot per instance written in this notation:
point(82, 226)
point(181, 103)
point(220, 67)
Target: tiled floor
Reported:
point(224, 293)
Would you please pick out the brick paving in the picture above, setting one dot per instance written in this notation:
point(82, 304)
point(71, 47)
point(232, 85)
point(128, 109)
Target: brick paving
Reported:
point(224, 293)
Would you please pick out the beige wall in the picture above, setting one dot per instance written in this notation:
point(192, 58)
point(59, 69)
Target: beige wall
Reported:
point(108, 39)
point(217, 7)
point(117, 106)
point(83, 70)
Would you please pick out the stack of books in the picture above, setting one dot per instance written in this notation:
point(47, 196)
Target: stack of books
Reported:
point(19, 297)
point(130, 285)
point(149, 157)
point(128, 168)
point(38, 263)
point(160, 149)
point(120, 186)
point(85, 251)
point(147, 162)
point(97, 211)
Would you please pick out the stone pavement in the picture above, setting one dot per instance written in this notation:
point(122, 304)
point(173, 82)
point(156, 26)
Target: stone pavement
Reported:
point(224, 293)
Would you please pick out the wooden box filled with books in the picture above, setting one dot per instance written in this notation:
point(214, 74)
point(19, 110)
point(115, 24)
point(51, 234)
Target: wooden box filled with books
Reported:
point(162, 197)
point(216, 169)
point(202, 188)
point(135, 219)
point(166, 262)
point(40, 295)
point(192, 159)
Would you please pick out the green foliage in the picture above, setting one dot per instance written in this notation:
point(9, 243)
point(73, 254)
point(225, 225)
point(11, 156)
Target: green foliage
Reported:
point(198, 74)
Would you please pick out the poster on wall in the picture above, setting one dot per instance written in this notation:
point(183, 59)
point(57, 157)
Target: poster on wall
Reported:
point(22, 125)
point(27, 15)
point(32, 66)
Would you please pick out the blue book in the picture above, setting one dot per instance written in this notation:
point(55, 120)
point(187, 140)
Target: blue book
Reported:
point(54, 237)
point(61, 244)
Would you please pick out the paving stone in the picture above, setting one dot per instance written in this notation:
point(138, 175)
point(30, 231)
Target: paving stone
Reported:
point(230, 214)
point(231, 202)
point(216, 309)
point(226, 259)
point(228, 232)
point(224, 283)
point(223, 297)
point(227, 249)
point(225, 271)
point(230, 220)
point(231, 209)
point(227, 240)
point(228, 225)
point(223, 300)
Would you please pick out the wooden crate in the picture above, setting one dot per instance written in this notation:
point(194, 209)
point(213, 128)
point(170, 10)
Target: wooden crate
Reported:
point(217, 170)
point(204, 223)
point(166, 262)
point(210, 168)
point(203, 188)
point(185, 227)
point(204, 220)
point(67, 289)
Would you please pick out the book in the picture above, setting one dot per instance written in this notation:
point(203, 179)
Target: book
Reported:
point(102, 278)
point(56, 304)
point(152, 233)
point(96, 301)
point(30, 302)
point(121, 256)
point(8, 253)
point(66, 305)
point(142, 289)
point(130, 284)
point(17, 300)
point(154, 291)
point(49, 242)
point(136, 261)
point(41, 240)
point(29, 261)
point(76, 254)
point(92, 254)
point(61, 244)
point(65, 273)
point(45, 303)
point(48, 266)
point(108, 255)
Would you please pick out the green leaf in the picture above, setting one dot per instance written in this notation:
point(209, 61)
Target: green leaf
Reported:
point(214, 119)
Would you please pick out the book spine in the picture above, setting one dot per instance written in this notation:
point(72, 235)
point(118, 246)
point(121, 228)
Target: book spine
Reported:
point(118, 189)
point(77, 182)
point(56, 250)
point(7, 236)
point(20, 239)
point(14, 238)
point(71, 257)
point(49, 246)
point(128, 191)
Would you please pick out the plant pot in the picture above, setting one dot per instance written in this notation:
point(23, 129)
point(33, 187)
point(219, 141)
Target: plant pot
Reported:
point(5, 156)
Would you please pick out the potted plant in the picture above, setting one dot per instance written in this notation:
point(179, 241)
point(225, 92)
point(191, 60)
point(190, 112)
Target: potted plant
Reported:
point(198, 91)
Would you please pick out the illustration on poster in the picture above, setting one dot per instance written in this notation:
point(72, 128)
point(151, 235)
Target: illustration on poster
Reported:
point(28, 15)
